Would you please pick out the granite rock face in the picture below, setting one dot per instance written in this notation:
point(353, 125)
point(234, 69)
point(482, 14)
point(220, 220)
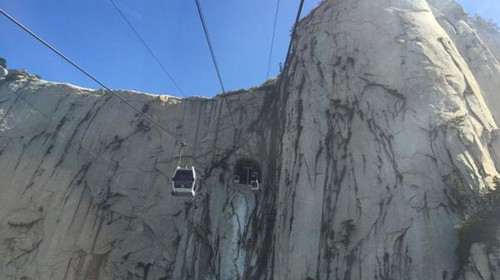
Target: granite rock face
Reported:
point(478, 44)
point(387, 142)
point(86, 183)
point(3, 72)
point(489, 33)
point(484, 263)
point(376, 145)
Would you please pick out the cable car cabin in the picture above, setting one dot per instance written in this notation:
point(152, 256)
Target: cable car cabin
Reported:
point(184, 182)
point(247, 172)
point(236, 179)
point(254, 185)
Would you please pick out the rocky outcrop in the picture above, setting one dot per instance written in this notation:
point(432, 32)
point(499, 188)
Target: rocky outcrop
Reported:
point(480, 52)
point(386, 144)
point(484, 263)
point(3, 72)
point(3, 68)
point(373, 148)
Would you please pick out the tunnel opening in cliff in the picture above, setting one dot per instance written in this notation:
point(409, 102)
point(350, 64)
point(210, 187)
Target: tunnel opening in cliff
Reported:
point(246, 171)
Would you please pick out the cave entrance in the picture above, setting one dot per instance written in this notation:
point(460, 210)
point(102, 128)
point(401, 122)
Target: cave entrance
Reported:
point(247, 172)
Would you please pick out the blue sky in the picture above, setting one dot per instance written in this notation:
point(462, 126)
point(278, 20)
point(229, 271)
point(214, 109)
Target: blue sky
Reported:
point(96, 37)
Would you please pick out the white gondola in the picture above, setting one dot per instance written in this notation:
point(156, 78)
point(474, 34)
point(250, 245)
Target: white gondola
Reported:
point(254, 185)
point(184, 182)
point(236, 179)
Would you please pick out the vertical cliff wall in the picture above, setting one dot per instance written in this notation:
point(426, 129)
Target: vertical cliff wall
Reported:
point(375, 146)
point(477, 44)
point(86, 184)
point(386, 144)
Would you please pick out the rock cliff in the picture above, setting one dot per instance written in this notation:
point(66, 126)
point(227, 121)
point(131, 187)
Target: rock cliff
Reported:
point(484, 263)
point(489, 33)
point(86, 183)
point(378, 142)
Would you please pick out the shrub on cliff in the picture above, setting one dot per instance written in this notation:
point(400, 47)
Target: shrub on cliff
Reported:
point(481, 225)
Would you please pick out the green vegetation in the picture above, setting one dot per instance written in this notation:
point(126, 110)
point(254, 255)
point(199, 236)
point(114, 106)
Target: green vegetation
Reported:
point(481, 225)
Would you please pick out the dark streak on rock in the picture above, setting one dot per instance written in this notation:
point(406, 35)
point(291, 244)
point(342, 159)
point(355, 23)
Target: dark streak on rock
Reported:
point(37, 169)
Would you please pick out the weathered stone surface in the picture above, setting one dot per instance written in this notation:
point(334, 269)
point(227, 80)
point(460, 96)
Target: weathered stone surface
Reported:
point(484, 263)
point(377, 144)
point(386, 143)
point(86, 183)
point(3, 72)
point(482, 62)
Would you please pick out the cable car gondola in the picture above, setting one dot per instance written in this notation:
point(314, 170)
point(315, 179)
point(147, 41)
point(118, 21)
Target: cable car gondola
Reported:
point(236, 179)
point(254, 181)
point(254, 185)
point(184, 182)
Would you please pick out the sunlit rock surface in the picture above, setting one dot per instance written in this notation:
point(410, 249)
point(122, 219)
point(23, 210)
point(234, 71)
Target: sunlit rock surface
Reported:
point(386, 143)
point(478, 44)
point(3, 72)
point(377, 144)
point(86, 183)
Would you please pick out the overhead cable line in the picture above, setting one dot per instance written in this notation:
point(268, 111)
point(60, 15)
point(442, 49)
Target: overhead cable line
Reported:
point(164, 128)
point(212, 53)
point(299, 11)
point(272, 38)
point(147, 47)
